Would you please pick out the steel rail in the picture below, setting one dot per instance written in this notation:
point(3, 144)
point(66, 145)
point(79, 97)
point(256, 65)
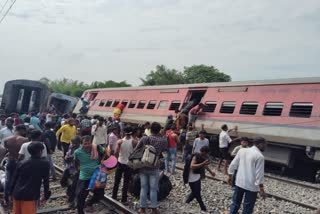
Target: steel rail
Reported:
point(107, 200)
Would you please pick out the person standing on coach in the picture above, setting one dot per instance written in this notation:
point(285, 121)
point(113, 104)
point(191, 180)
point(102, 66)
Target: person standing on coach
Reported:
point(124, 149)
point(150, 176)
point(249, 164)
point(67, 132)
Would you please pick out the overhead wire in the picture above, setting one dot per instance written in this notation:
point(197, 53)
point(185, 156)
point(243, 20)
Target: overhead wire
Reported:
point(4, 6)
point(6, 13)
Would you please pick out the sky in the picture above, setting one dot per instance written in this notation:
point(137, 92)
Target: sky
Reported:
point(97, 40)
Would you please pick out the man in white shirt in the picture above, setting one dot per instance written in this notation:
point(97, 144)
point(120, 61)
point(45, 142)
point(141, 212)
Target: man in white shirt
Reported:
point(224, 141)
point(7, 131)
point(35, 137)
point(200, 142)
point(249, 164)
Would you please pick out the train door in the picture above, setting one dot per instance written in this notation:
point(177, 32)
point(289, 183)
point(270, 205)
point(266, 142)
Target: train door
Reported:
point(20, 100)
point(32, 102)
point(193, 98)
point(92, 96)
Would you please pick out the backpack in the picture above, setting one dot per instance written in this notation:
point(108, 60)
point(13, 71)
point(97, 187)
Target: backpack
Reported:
point(149, 157)
point(144, 156)
point(164, 186)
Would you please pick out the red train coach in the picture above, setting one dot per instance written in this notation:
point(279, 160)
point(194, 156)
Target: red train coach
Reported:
point(286, 112)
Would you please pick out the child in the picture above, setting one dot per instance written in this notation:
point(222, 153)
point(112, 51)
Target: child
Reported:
point(198, 165)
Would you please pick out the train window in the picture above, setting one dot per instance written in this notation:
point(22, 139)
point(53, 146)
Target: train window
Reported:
point(141, 104)
point(163, 104)
point(102, 102)
point(116, 102)
point(273, 109)
point(109, 103)
point(124, 102)
point(152, 104)
point(132, 104)
point(175, 105)
point(228, 107)
point(301, 110)
point(96, 103)
point(210, 106)
point(249, 108)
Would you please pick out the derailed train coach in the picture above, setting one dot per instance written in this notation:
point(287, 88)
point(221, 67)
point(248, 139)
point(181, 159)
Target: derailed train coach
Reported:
point(286, 112)
point(62, 103)
point(22, 96)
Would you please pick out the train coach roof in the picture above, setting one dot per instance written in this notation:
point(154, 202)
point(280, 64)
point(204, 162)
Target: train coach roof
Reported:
point(305, 80)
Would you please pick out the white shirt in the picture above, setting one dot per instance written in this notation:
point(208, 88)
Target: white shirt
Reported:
point(198, 144)
point(48, 118)
point(224, 139)
point(99, 135)
point(193, 177)
point(126, 150)
point(5, 133)
point(250, 165)
point(24, 151)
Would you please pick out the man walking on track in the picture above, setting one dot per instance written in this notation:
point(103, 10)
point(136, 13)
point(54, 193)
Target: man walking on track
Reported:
point(67, 132)
point(250, 176)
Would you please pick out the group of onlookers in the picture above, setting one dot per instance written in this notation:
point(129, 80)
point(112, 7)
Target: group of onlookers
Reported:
point(30, 140)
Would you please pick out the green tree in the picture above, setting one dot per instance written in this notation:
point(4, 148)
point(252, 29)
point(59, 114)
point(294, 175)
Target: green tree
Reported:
point(163, 76)
point(76, 88)
point(204, 73)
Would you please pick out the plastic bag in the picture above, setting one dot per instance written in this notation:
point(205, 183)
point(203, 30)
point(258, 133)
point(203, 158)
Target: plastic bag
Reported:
point(100, 175)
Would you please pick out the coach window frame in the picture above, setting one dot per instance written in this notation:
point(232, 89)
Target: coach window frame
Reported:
point(102, 102)
point(109, 103)
point(174, 108)
point(246, 111)
point(125, 102)
point(144, 102)
point(274, 113)
point(132, 104)
point(210, 106)
point(223, 107)
point(161, 106)
point(116, 102)
point(96, 102)
point(299, 115)
point(152, 105)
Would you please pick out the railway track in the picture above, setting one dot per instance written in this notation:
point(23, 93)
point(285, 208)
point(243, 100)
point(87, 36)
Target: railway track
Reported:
point(272, 177)
point(277, 197)
point(112, 205)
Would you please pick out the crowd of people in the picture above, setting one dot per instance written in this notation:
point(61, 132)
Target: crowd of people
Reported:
point(28, 142)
